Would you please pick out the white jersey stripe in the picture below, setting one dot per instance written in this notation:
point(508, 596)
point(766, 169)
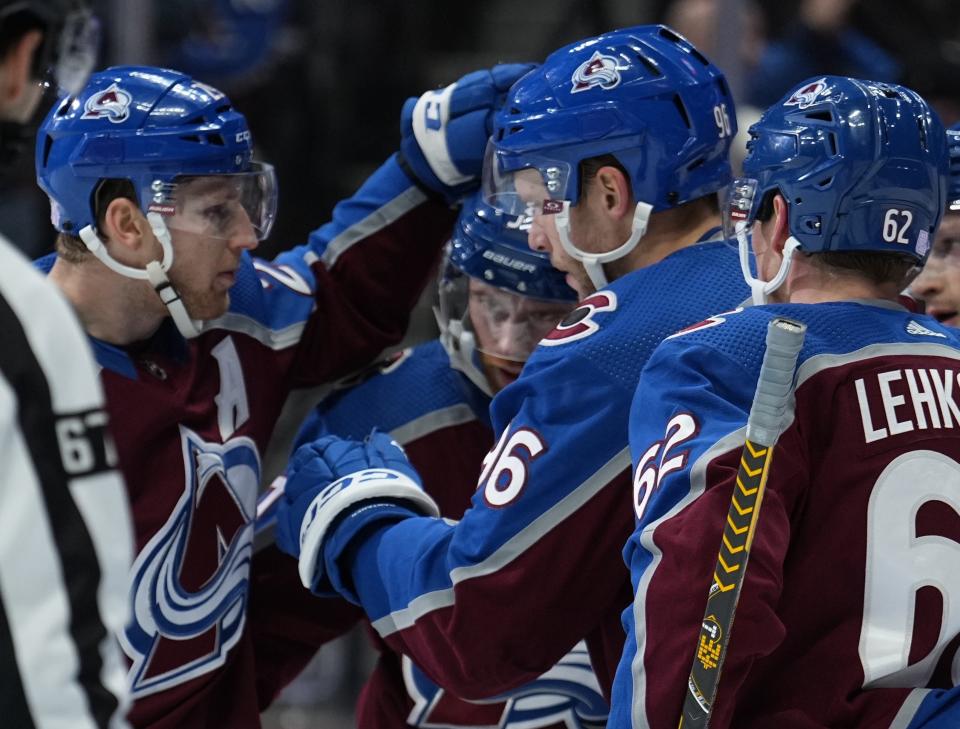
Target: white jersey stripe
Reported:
point(426, 424)
point(380, 218)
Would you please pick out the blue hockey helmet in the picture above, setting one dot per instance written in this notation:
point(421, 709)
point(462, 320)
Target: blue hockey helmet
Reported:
point(645, 96)
point(175, 140)
point(497, 297)
point(862, 166)
point(150, 126)
point(491, 246)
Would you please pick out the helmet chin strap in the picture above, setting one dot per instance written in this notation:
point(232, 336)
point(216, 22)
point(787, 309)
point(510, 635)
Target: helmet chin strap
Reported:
point(155, 272)
point(760, 290)
point(593, 262)
point(461, 347)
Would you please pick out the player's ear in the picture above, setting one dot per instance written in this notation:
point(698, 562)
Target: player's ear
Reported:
point(614, 190)
point(124, 223)
point(781, 223)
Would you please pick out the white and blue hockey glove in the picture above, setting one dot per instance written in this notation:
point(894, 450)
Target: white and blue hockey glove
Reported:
point(335, 489)
point(444, 132)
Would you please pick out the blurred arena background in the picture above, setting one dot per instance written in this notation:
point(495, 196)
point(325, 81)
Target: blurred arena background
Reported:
point(322, 84)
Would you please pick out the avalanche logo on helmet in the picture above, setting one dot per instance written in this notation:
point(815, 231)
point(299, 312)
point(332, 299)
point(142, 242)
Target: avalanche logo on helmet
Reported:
point(808, 95)
point(112, 103)
point(599, 70)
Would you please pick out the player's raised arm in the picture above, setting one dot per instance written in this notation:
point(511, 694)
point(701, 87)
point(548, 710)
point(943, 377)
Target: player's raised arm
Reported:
point(365, 269)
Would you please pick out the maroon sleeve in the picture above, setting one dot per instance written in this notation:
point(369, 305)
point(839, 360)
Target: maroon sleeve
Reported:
point(370, 265)
point(288, 624)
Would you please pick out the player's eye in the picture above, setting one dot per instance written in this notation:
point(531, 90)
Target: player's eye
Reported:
point(218, 214)
point(946, 246)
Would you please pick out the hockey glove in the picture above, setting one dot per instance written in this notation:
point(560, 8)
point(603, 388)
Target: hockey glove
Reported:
point(444, 132)
point(336, 488)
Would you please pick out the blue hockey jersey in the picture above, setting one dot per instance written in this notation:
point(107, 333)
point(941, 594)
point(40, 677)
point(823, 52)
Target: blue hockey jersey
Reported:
point(534, 566)
point(441, 419)
point(847, 615)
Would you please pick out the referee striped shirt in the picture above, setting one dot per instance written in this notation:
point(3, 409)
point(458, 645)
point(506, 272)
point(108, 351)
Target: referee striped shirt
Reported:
point(65, 533)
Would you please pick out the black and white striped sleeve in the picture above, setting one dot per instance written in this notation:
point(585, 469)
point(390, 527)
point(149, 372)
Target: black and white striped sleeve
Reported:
point(66, 538)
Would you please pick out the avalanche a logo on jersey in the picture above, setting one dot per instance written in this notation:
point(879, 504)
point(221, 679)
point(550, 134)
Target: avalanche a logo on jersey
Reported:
point(191, 580)
point(567, 695)
point(112, 103)
point(600, 71)
point(808, 95)
point(580, 323)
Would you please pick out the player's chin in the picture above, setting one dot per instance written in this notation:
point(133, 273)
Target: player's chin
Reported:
point(582, 286)
point(212, 305)
point(501, 377)
point(950, 319)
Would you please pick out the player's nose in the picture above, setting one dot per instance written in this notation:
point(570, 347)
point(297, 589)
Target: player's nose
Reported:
point(536, 236)
point(244, 235)
point(513, 340)
point(929, 282)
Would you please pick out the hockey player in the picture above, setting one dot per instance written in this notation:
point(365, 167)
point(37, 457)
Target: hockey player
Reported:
point(628, 132)
point(497, 300)
point(159, 203)
point(846, 617)
point(66, 539)
point(938, 284)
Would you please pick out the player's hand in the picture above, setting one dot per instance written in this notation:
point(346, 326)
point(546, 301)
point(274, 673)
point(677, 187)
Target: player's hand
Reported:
point(330, 481)
point(444, 132)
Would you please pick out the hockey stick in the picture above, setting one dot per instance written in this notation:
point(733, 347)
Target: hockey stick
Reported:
point(774, 387)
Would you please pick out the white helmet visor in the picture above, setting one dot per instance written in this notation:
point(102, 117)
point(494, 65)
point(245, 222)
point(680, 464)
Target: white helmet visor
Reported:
point(525, 186)
point(219, 206)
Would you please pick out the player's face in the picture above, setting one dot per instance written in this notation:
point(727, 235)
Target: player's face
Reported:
point(591, 230)
point(939, 282)
point(543, 237)
point(209, 232)
point(507, 327)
